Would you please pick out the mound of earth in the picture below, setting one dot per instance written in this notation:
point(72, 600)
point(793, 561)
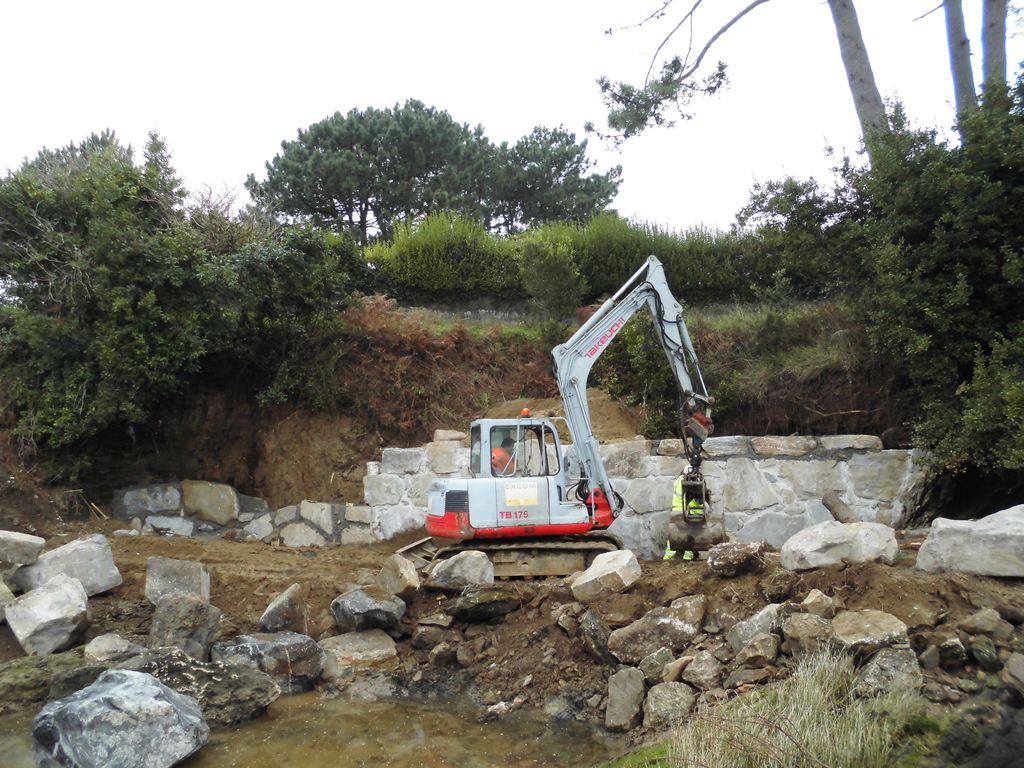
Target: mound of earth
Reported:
point(610, 418)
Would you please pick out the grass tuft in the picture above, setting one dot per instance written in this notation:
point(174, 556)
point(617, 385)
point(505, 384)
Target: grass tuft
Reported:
point(811, 720)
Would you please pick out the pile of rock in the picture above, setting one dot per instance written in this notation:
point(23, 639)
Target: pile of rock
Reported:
point(52, 613)
point(677, 657)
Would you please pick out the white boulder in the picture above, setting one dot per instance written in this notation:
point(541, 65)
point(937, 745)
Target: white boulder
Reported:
point(992, 546)
point(88, 559)
point(611, 572)
point(51, 617)
point(832, 542)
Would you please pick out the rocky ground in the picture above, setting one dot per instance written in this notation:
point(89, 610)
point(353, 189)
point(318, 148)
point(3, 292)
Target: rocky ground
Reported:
point(536, 655)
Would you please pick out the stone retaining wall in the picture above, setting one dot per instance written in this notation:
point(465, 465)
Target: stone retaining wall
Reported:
point(766, 488)
point(194, 507)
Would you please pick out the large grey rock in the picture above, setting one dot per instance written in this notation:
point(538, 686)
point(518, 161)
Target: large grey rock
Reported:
point(301, 535)
point(987, 621)
point(446, 435)
point(398, 576)
point(294, 661)
point(372, 649)
point(124, 719)
point(88, 559)
point(742, 632)
point(391, 521)
point(890, 670)
point(662, 627)
point(447, 457)
point(772, 527)
point(624, 458)
point(227, 693)
point(320, 514)
point(482, 602)
point(866, 632)
point(649, 494)
point(260, 528)
point(733, 558)
point(667, 703)
point(399, 461)
point(850, 442)
point(595, 633)
point(367, 608)
point(461, 570)
point(690, 608)
point(165, 575)
point(806, 633)
point(610, 573)
point(185, 622)
point(704, 671)
point(791, 445)
point(20, 548)
point(168, 525)
point(722, 447)
point(625, 698)
point(832, 542)
point(383, 489)
point(286, 611)
point(760, 651)
point(653, 665)
point(992, 546)
point(163, 499)
point(644, 535)
point(51, 617)
point(25, 681)
point(215, 502)
point(111, 647)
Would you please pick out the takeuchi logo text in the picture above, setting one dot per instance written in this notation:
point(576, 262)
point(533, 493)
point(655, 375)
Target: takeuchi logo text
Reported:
point(606, 336)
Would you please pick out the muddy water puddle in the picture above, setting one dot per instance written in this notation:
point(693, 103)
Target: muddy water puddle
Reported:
point(309, 732)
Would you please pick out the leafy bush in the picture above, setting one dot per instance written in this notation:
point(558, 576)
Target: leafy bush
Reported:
point(107, 303)
point(948, 275)
point(114, 297)
point(553, 282)
point(447, 254)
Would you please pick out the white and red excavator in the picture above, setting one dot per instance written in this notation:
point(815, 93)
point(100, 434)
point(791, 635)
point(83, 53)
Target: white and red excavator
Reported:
point(519, 506)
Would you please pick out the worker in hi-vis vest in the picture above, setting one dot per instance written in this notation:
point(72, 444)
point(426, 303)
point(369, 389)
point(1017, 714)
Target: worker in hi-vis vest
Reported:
point(692, 511)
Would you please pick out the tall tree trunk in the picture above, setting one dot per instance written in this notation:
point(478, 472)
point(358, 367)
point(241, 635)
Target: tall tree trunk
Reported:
point(993, 41)
point(866, 99)
point(959, 57)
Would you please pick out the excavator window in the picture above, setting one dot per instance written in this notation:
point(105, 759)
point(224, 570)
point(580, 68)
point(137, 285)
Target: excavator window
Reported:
point(520, 451)
point(474, 451)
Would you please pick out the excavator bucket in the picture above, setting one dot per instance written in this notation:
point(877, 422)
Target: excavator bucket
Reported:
point(696, 527)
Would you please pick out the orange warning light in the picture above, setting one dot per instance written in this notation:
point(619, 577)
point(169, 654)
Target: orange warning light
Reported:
point(525, 413)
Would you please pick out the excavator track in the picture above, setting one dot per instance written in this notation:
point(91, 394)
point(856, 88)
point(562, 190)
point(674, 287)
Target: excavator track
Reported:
point(523, 557)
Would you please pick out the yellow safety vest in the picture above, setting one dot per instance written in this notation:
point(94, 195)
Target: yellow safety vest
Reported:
point(678, 500)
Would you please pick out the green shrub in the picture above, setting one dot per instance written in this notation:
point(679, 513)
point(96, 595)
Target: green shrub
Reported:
point(447, 254)
point(553, 282)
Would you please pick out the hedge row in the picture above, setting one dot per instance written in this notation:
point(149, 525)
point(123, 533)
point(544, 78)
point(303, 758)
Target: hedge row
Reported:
point(446, 255)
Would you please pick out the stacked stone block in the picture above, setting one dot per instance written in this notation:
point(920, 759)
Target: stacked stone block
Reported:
point(767, 488)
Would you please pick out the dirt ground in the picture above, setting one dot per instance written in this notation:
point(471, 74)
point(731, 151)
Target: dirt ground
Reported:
point(526, 654)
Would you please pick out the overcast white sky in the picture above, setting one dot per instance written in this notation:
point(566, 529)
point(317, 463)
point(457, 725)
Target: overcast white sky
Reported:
point(225, 82)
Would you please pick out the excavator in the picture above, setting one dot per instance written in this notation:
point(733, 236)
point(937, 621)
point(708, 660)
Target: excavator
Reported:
point(520, 507)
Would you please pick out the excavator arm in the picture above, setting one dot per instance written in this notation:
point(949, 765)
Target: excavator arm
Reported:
point(575, 358)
